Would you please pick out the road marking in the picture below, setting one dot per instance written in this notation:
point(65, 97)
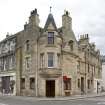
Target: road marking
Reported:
point(101, 103)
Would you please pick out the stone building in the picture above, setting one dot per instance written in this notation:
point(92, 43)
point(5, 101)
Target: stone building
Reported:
point(8, 65)
point(103, 72)
point(90, 65)
point(50, 62)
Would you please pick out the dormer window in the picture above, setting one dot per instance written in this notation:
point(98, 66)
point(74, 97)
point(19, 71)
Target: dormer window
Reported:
point(71, 45)
point(50, 37)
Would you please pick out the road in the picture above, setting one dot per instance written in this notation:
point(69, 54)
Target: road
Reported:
point(5, 100)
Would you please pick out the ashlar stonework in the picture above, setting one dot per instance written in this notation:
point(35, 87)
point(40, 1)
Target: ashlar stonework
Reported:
point(50, 62)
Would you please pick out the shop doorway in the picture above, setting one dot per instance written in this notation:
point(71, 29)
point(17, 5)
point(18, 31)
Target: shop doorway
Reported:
point(6, 85)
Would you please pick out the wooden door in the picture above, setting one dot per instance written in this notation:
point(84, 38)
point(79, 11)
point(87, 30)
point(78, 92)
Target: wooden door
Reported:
point(50, 88)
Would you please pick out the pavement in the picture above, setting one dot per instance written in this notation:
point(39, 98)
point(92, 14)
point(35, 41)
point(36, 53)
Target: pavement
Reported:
point(89, 99)
point(73, 97)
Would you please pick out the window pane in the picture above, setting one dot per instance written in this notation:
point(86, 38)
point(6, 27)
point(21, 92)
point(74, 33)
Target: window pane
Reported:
point(27, 45)
point(32, 83)
point(42, 60)
point(50, 60)
point(50, 37)
point(22, 83)
point(58, 58)
point(88, 83)
point(27, 62)
point(78, 83)
point(71, 46)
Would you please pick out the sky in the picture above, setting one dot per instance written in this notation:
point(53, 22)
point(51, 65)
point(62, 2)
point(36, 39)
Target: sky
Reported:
point(88, 16)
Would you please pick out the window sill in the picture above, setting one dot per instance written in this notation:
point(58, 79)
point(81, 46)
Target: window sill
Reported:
point(50, 45)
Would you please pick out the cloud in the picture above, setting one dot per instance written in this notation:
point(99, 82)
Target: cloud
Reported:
point(88, 16)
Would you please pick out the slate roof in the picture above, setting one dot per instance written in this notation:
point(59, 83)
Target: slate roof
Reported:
point(8, 38)
point(50, 19)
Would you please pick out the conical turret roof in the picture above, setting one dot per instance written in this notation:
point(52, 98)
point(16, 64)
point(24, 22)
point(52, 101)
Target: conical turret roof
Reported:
point(50, 19)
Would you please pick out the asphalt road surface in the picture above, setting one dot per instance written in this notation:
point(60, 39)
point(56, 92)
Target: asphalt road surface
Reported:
point(7, 100)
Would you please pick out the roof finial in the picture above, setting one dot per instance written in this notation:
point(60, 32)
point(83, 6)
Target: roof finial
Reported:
point(50, 9)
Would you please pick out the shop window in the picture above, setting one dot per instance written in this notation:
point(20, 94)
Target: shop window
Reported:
point(67, 84)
